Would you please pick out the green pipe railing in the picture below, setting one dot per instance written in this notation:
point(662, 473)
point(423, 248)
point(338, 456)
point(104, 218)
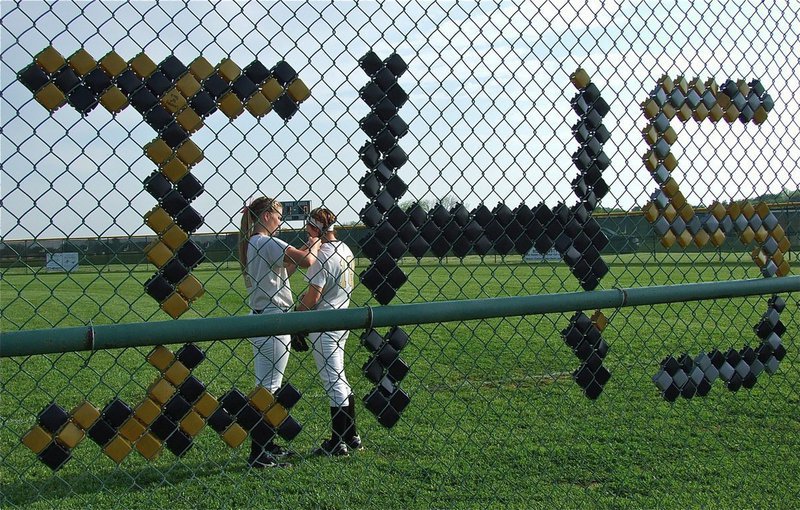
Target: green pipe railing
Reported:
point(88, 338)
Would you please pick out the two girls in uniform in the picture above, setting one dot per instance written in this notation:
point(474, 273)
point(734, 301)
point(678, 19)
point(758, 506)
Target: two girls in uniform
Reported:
point(267, 262)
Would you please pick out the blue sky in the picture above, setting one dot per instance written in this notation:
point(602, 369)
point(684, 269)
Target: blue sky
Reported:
point(489, 111)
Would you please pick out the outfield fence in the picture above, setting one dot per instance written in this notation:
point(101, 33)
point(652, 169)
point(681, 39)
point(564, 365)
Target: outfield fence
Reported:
point(574, 228)
point(627, 232)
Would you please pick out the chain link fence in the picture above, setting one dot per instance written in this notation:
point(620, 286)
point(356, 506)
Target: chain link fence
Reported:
point(469, 151)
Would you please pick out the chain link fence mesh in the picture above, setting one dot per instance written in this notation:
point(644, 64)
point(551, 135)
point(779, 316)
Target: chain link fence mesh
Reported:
point(469, 150)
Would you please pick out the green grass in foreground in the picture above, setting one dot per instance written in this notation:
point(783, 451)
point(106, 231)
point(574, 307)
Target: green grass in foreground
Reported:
point(495, 419)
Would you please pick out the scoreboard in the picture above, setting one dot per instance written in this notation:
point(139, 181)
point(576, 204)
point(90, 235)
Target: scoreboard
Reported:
point(296, 210)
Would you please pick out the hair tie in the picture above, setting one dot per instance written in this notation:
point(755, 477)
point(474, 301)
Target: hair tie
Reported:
point(246, 206)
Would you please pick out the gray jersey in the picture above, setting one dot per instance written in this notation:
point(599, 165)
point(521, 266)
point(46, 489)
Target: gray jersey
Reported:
point(269, 280)
point(333, 272)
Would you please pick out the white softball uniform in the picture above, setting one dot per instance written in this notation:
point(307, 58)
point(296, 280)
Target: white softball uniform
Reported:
point(333, 272)
point(269, 292)
point(268, 277)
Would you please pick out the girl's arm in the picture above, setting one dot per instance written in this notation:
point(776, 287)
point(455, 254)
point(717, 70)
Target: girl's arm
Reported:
point(301, 257)
point(310, 298)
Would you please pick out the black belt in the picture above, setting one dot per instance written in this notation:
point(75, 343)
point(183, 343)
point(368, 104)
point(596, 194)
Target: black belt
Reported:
point(259, 312)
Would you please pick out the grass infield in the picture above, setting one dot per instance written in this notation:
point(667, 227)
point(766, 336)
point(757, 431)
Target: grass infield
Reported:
point(495, 419)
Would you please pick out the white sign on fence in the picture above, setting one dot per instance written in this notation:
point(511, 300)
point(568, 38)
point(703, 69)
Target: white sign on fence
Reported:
point(534, 256)
point(61, 261)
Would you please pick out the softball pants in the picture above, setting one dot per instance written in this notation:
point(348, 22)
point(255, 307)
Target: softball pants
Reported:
point(328, 350)
point(270, 354)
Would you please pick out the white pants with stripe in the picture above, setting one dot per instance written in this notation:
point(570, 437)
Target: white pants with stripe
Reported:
point(328, 350)
point(270, 355)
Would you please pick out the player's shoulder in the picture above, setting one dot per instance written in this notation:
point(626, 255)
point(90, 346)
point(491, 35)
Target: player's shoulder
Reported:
point(326, 250)
point(341, 249)
point(267, 241)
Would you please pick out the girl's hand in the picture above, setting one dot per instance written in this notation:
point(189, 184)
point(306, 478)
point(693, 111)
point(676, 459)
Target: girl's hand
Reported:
point(302, 257)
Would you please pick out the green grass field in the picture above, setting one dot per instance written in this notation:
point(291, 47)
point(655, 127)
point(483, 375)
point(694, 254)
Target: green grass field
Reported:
point(495, 419)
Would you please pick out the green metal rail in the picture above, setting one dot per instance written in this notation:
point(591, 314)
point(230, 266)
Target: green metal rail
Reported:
point(112, 336)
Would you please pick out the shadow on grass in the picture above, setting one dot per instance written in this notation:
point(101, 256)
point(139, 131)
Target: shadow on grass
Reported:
point(57, 486)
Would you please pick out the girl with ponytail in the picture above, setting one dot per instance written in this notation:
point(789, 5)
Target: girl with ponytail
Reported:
point(267, 262)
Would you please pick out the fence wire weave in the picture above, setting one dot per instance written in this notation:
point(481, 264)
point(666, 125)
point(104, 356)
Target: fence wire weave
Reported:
point(467, 150)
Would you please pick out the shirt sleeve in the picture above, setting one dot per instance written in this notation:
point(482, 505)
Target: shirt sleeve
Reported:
point(275, 251)
point(315, 275)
